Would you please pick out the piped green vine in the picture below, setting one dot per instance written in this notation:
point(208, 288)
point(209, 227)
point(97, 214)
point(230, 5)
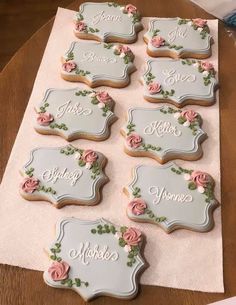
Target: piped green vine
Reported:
point(137, 194)
point(208, 189)
point(67, 282)
point(30, 173)
point(110, 229)
point(105, 109)
point(95, 167)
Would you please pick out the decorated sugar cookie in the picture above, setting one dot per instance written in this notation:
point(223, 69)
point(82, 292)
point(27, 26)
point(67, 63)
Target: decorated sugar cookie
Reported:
point(178, 38)
point(75, 113)
point(164, 133)
point(64, 175)
point(98, 64)
point(172, 197)
point(180, 82)
point(95, 258)
point(108, 22)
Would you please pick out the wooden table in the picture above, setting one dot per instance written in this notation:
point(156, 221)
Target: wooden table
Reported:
point(25, 287)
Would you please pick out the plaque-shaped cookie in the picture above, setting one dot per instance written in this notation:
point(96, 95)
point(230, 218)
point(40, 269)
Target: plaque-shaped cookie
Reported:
point(98, 64)
point(75, 113)
point(178, 38)
point(172, 197)
point(64, 175)
point(164, 134)
point(108, 22)
point(180, 82)
point(95, 258)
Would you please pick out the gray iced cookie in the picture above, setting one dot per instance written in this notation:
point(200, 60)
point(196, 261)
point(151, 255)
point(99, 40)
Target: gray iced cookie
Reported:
point(64, 175)
point(108, 22)
point(164, 133)
point(95, 258)
point(172, 197)
point(178, 38)
point(180, 82)
point(75, 113)
point(98, 64)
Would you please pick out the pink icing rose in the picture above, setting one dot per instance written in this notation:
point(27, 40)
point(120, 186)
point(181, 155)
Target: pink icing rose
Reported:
point(137, 206)
point(58, 271)
point(134, 140)
point(130, 8)
point(44, 119)
point(154, 88)
point(80, 26)
point(157, 41)
point(189, 115)
point(123, 49)
point(69, 66)
point(200, 22)
point(201, 178)
point(132, 236)
point(207, 66)
point(89, 156)
point(29, 185)
point(103, 97)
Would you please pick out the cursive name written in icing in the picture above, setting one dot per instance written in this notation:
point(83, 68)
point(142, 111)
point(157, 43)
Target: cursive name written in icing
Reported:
point(75, 109)
point(159, 128)
point(177, 32)
point(52, 175)
point(101, 16)
point(91, 57)
point(162, 194)
point(172, 77)
point(85, 253)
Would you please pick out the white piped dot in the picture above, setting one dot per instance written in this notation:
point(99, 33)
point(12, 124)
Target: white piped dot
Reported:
point(187, 177)
point(201, 189)
point(88, 165)
point(101, 105)
point(77, 155)
point(177, 115)
point(186, 124)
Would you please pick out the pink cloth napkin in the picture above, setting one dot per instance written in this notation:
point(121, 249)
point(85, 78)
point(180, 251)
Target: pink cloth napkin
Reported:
point(230, 301)
point(182, 259)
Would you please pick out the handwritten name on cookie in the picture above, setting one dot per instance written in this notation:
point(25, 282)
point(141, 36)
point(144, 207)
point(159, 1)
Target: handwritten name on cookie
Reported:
point(161, 193)
point(101, 16)
point(177, 32)
point(90, 56)
point(172, 77)
point(159, 128)
point(52, 175)
point(75, 109)
point(85, 253)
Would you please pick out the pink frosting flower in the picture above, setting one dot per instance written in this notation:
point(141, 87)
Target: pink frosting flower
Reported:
point(200, 22)
point(201, 178)
point(207, 66)
point(189, 115)
point(130, 8)
point(132, 236)
point(134, 140)
point(44, 118)
point(89, 156)
point(69, 66)
point(154, 88)
point(137, 206)
point(29, 185)
point(80, 26)
point(58, 271)
point(157, 41)
point(123, 49)
point(103, 97)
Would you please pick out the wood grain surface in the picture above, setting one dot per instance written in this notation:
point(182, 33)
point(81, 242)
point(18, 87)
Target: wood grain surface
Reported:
point(25, 287)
